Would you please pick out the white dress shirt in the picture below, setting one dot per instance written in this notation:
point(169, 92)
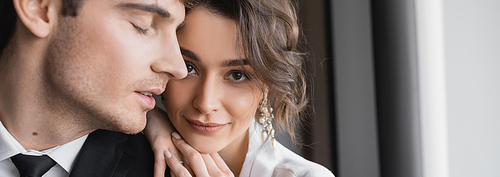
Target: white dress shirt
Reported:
point(64, 155)
point(263, 161)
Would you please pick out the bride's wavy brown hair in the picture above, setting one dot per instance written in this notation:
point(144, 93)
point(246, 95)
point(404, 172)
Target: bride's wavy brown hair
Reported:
point(269, 35)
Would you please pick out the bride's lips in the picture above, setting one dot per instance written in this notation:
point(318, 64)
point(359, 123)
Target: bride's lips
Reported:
point(205, 127)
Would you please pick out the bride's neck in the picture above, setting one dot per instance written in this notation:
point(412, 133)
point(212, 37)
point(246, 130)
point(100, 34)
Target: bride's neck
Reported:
point(234, 154)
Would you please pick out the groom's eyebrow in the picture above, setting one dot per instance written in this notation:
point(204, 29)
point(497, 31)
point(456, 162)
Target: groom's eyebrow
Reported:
point(153, 8)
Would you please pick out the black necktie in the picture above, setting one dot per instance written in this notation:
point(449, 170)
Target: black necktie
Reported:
point(32, 166)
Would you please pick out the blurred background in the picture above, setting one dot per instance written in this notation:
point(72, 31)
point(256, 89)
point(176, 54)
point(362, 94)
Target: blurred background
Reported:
point(403, 88)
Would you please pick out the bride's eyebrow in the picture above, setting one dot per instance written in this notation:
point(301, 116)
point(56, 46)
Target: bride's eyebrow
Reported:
point(226, 63)
point(237, 62)
point(189, 54)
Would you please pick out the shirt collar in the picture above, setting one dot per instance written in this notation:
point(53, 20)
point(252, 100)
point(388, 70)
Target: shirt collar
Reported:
point(64, 155)
point(261, 157)
point(9, 146)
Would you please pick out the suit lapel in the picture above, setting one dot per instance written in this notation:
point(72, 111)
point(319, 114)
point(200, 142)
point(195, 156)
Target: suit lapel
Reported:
point(102, 156)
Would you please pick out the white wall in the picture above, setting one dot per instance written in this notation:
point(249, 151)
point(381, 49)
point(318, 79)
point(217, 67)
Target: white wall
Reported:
point(472, 61)
point(432, 88)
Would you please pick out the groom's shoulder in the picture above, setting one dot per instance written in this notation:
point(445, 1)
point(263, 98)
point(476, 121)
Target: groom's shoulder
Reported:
point(121, 140)
point(137, 147)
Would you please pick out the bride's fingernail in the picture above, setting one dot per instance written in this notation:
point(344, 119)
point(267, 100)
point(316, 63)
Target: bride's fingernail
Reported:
point(176, 135)
point(167, 153)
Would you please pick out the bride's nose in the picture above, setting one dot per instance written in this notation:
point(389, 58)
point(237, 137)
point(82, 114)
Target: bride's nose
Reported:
point(207, 99)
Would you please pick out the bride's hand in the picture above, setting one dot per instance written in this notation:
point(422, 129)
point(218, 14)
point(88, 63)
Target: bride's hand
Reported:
point(200, 165)
point(158, 131)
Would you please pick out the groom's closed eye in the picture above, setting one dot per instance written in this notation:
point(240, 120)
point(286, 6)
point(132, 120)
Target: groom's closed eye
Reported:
point(153, 8)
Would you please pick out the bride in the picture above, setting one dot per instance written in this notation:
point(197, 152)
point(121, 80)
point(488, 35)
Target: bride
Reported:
point(244, 81)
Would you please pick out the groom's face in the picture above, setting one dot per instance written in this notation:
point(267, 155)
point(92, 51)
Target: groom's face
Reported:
point(107, 61)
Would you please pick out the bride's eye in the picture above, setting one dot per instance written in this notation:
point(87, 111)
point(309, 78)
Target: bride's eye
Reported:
point(190, 68)
point(237, 76)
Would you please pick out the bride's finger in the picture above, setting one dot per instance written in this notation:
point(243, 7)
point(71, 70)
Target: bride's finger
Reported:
point(158, 131)
point(175, 166)
point(192, 155)
point(212, 168)
point(160, 164)
point(188, 166)
point(221, 164)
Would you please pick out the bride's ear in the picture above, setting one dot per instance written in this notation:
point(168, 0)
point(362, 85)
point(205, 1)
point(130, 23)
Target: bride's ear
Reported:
point(265, 93)
point(39, 16)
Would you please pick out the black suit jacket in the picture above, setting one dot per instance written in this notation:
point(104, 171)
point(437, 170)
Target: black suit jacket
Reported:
point(112, 154)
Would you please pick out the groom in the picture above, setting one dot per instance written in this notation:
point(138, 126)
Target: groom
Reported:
point(74, 73)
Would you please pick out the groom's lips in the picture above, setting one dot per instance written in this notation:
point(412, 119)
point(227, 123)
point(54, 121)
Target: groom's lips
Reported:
point(147, 100)
point(202, 127)
point(146, 96)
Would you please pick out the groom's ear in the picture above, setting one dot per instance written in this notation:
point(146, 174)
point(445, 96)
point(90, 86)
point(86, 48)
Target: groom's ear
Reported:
point(39, 16)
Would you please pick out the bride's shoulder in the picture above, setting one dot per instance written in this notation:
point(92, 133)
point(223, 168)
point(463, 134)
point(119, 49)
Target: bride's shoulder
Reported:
point(291, 164)
point(263, 160)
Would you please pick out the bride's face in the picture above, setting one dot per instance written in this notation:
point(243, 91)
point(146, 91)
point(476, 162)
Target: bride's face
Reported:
point(215, 104)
